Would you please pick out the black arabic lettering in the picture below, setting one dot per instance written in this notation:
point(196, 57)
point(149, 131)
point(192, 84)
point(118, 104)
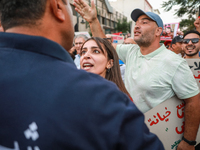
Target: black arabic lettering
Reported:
point(198, 67)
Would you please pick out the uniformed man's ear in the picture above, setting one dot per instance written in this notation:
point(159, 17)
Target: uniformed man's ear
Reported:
point(159, 31)
point(1, 28)
point(58, 9)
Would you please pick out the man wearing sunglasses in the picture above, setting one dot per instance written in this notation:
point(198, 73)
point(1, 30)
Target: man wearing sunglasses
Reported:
point(191, 44)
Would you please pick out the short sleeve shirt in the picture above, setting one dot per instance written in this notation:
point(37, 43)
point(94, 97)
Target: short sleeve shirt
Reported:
point(153, 78)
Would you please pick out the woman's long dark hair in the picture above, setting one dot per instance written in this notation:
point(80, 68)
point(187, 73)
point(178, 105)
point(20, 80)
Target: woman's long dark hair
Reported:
point(113, 74)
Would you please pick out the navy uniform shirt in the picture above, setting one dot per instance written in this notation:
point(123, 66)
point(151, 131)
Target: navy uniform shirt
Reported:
point(47, 104)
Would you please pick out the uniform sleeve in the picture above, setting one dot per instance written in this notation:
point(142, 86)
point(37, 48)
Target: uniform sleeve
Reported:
point(183, 82)
point(134, 132)
point(123, 50)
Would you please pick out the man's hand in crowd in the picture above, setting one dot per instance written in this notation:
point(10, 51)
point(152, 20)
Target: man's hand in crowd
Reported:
point(72, 52)
point(179, 33)
point(197, 24)
point(185, 146)
point(87, 12)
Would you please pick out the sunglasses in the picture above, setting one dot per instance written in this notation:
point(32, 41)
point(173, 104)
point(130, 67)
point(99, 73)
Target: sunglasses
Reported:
point(194, 40)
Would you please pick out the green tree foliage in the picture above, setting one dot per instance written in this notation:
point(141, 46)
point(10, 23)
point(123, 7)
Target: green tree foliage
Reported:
point(123, 26)
point(186, 8)
point(187, 24)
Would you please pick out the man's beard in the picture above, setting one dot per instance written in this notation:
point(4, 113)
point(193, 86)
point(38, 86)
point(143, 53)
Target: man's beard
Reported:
point(193, 54)
point(146, 39)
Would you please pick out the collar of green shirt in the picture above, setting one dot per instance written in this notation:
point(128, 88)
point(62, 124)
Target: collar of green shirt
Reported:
point(152, 54)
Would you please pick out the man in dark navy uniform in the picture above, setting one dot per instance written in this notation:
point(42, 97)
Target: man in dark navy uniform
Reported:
point(40, 108)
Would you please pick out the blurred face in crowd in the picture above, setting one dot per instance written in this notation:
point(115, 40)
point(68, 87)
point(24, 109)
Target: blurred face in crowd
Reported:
point(93, 59)
point(191, 44)
point(129, 41)
point(78, 44)
point(168, 30)
point(144, 31)
point(177, 47)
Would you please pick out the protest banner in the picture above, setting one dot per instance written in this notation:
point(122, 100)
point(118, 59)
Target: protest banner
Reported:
point(170, 31)
point(118, 39)
point(167, 122)
point(194, 65)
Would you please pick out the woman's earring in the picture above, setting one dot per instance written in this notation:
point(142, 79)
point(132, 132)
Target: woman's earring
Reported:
point(108, 69)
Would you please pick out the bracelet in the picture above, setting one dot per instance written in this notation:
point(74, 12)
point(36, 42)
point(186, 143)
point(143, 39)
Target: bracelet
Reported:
point(189, 142)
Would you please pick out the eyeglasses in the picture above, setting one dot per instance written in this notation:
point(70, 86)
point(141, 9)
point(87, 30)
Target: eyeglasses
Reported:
point(194, 40)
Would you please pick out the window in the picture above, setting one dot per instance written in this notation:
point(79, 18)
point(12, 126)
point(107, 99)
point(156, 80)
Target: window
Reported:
point(109, 23)
point(103, 20)
point(114, 24)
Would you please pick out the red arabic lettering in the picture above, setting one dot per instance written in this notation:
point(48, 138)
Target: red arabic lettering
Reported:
point(180, 108)
point(164, 117)
point(182, 129)
point(161, 118)
point(153, 122)
point(198, 77)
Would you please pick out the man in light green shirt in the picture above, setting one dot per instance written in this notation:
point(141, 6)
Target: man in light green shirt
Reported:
point(153, 73)
point(153, 78)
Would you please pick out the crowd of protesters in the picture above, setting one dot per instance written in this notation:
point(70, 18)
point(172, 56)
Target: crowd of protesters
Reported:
point(64, 92)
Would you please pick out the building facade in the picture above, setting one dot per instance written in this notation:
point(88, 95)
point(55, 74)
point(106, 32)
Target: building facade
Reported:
point(107, 15)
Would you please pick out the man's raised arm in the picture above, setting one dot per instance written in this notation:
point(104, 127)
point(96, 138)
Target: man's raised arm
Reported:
point(90, 15)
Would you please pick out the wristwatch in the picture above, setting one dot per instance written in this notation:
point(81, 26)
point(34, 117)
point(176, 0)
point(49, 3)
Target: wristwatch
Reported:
point(189, 142)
